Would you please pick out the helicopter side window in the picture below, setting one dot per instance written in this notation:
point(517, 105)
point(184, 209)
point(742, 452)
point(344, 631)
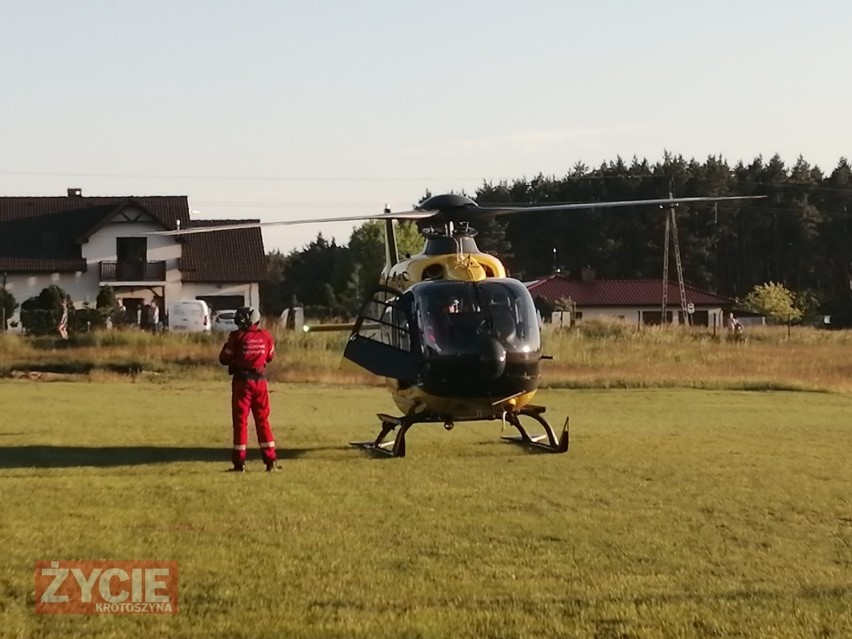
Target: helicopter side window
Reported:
point(449, 314)
point(395, 326)
point(511, 314)
point(503, 316)
point(438, 325)
point(402, 329)
point(386, 330)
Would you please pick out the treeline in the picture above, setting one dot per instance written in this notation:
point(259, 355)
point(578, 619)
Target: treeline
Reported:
point(799, 236)
point(328, 279)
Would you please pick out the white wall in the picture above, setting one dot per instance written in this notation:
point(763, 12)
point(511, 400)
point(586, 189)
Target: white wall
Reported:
point(101, 247)
point(77, 285)
point(631, 314)
point(250, 291)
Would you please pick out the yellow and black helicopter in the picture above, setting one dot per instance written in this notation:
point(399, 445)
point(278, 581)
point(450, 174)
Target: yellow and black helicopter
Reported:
point(457, 339)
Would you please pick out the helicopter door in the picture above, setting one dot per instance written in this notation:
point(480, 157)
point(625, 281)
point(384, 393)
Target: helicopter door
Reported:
point(381, 340)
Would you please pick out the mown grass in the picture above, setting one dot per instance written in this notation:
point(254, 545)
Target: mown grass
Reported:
point(676, 513)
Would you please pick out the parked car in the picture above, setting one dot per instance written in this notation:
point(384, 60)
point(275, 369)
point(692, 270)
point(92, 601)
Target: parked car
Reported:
point(223, 321)
point(189, 316)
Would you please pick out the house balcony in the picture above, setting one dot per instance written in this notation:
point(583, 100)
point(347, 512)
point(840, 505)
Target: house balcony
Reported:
point(133, 271)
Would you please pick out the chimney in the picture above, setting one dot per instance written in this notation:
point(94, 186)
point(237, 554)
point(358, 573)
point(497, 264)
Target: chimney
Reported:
point(587, 275)
point(75, 192)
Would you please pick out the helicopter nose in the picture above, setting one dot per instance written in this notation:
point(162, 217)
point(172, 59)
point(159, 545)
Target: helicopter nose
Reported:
point(492, 358)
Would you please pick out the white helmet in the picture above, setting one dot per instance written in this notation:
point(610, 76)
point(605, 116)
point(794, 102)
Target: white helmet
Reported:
point(246, 316)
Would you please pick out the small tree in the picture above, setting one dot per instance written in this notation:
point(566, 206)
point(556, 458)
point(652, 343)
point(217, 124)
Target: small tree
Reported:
point(40, 315)
point(545, 307)
point(106, 299)
point(7, 307)
point(773, 300)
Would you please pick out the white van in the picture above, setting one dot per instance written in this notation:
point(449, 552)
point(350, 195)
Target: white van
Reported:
point(189, 316)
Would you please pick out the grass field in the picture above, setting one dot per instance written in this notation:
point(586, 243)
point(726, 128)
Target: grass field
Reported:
point(676, 513)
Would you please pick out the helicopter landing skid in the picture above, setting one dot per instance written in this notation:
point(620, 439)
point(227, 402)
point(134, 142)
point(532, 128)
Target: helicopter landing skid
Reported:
point(396, 446)
point(548, 442)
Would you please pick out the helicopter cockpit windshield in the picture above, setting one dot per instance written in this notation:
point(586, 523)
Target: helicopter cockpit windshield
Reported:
point(454, 315)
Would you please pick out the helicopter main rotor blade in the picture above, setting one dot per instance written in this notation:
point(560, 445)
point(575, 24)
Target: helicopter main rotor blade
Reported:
point(462, 211)
point(404, 215)
point(508, 210)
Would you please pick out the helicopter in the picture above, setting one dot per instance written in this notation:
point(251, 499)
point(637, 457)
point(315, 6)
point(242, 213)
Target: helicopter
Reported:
point(456, 338)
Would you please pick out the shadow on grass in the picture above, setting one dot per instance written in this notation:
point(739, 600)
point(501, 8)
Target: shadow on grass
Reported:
point(104, 456)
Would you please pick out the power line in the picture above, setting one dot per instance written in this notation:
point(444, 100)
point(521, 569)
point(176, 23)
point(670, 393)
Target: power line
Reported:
point(787, 184)
point(239, 178)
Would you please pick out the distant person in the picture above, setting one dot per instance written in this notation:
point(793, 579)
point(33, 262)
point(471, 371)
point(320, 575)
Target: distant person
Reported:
point(736, 327)
point(119, 315)
point(153, 316)
point(246, 353)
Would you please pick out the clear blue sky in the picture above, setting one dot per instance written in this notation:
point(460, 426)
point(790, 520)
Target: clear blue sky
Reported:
point(283, 110)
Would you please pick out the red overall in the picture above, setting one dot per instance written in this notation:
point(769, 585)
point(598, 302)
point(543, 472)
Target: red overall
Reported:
point(246, 353)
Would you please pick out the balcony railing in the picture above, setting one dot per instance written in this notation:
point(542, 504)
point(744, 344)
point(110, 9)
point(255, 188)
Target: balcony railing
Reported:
point(133, 271)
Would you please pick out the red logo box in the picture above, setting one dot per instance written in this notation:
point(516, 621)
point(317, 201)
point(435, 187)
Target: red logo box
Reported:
point(106, 587)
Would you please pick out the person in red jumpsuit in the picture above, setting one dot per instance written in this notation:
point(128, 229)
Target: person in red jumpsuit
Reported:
point(246, 353)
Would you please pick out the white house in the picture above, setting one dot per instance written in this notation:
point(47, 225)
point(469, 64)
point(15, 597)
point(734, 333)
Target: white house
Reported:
point(82, 243)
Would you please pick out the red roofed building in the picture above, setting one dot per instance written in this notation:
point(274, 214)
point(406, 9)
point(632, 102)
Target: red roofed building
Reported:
point(638, 301)
point(82, 243)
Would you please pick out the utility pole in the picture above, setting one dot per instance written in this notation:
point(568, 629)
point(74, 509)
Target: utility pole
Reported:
point(671, 231)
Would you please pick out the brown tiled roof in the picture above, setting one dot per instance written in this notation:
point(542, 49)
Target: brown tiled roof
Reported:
point(224, 256)
point(44, 234)
point(643, 292)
